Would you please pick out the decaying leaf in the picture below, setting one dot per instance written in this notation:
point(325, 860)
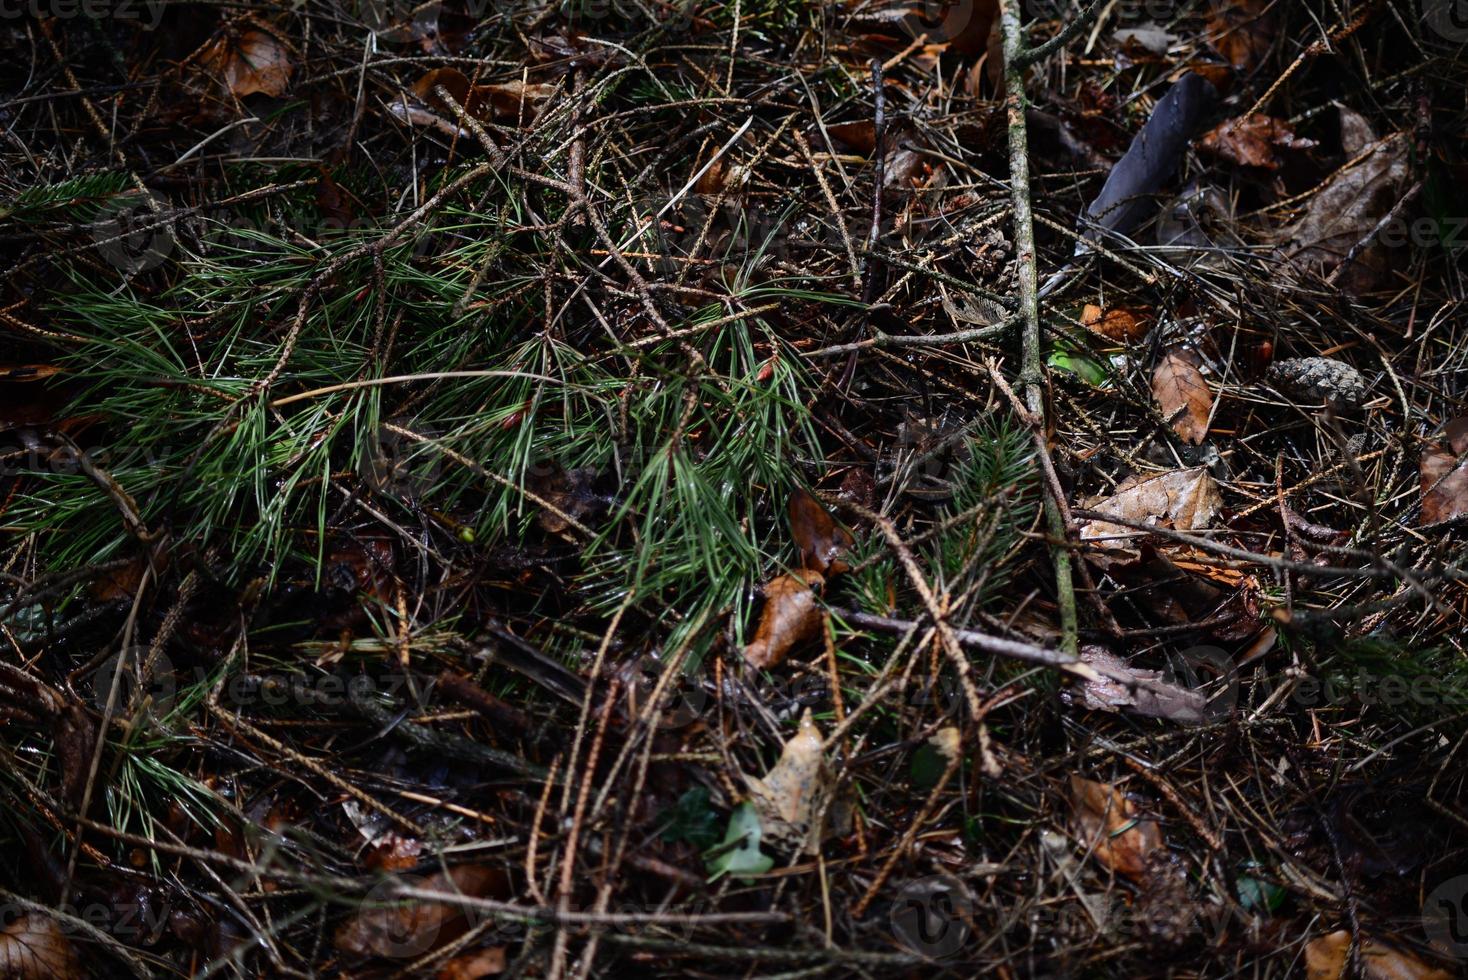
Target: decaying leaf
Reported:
point(820, 539)
point(1182, 394)
point(1122, 687)
point(791, 616)
point(1345, 212)
point(1106, 824)
point(471, 966)
point(392, 929)
point(1184, 500)
point(1117, 322)
point(1326, 956)
point(1253, 141)
point(1444, 486)
point(34, 947)
point(1243, 31)
point(792, 795)
point(254, 61)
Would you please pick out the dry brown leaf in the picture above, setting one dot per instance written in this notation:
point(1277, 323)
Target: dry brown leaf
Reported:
point(1253, 141)
point(252, 62)
point(859, 135)
point(1326, 956)
point(395, 929)
point(472, 966)
point(1346, 211)
point(508, 101)
point(1444, 486)
point(1457, 433)
point(1183, 395)
point(792, 794)
point(820, 539)
point(1117, 323)
point(34, 947)
point(791, 616)
point(1184, 500)
point(1242, 31)
point(1107, 825)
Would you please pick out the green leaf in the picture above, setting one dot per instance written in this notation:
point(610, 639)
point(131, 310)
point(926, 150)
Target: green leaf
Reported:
point(692, 819)
point(1090, 370)
point(739, 854)
point(1257, 895)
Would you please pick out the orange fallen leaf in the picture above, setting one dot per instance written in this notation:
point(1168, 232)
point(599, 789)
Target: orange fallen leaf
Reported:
point(820, 539)
point(1107, 825)
point(1326, 956)
point(511, 101)
point(791, 616)
point(1444, 486)
point(252, 62)
point(1117, 323)
point(1183, 395)
point(472, 966)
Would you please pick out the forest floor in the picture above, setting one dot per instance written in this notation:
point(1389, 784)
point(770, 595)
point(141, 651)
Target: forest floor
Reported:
point(734, 488)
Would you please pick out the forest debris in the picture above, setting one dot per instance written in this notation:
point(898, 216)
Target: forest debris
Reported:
point(794, 793)
point(513, 101)
point(1185, 500)
point(485, 962)
point(1326, 956)
point(791, 616)
point(820, 539)
point(34, 947)
point(1345, 213)
point(1242, 31)
point(1182, 394)
point(1253, 141)
point(1117, 322)
point(414, 926)
point(1444, 486)
point(252, 62)
point(1159, 698)
point(1106, 824)
point(1319, 379)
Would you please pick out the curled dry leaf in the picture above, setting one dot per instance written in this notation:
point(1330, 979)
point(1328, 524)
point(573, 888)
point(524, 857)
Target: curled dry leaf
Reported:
point(1184, 500)
point(1106, 824)
point(1444, 486)
point(1326, 956)
point(1183, 395)
point(251, 62)
point(791, 616)
point(820, 539)
point(793, 794)
point(34, 947)
point(1117, 323)
point(1253, 141)
point(1345, 212)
